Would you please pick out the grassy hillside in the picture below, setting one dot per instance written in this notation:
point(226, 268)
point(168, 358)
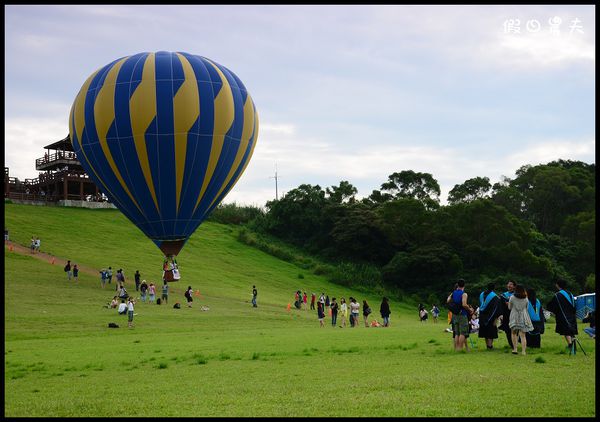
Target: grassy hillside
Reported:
point(235, 360)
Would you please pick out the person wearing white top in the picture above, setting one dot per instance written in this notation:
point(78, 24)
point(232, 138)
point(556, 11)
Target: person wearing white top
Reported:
point(122, 310)
point(130, 303)
point(354, 311)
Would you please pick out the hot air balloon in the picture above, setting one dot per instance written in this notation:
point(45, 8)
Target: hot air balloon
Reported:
point(165, 136)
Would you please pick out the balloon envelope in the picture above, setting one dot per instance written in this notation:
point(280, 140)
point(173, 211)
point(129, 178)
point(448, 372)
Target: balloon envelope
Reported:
point(165, 136)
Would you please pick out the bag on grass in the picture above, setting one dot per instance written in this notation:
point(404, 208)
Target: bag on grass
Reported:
point(112, 325)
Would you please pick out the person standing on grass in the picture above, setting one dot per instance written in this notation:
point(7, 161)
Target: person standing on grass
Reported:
point(32, 245)
point(385, 312)
point(254, 294)
point(490, 308)
point(103, 278)
point(320, 314)
point(38, 243)
point(313, 298)
point(366, 312)
point(305, 301)
point(354, 312)
point(188, 295)
point(460, 317)
point(130, 309)
point(120, 276)
point(143, 290)
point(562, 305)
point(137, 280)
point(334, 312)
point(519, 322)
point(165, 292)
point(68, 270)
point(435, 312)
point(109, 275)
point(151, 292)
point(75, 273)
point(343, 312)
point(505, 297)
point(536, 313)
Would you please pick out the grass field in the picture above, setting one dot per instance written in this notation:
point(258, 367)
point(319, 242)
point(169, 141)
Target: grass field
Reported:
point(235, 360)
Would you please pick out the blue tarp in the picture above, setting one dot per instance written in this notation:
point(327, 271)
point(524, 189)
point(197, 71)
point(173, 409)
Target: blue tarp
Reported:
point(584, 304)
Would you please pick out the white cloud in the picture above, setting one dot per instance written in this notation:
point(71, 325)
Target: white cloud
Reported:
point(544, 151)
point(25, 139)
point(542, 50)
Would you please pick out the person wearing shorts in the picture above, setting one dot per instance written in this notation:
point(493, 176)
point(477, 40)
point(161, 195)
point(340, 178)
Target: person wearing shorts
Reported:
point(460, 320)
point(188, 296)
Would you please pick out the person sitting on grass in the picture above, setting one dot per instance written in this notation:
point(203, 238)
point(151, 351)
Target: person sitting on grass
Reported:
point(122, 308)
point(114, 303)
point(591, 318)
point(123, 293)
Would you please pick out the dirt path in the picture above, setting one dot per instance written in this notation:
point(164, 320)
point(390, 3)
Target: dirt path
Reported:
point(50, 259)
point(61, 262)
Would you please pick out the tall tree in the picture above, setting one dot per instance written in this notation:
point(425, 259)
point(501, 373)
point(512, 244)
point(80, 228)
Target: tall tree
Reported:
point(344, 193)
point(410, 184)
point(470, 190)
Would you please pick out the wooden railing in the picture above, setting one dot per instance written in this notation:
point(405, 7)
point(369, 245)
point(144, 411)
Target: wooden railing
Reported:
point(20, 196)
point(60, 155)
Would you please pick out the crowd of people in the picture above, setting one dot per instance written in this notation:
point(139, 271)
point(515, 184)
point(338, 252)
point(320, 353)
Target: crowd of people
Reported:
point(347, 313)
point(517, 312)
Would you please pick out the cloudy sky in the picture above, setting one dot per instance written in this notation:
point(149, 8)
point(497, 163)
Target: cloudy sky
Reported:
point(343, 92)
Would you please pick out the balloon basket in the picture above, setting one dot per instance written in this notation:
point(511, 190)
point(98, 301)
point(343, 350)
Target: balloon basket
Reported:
point(170, 270)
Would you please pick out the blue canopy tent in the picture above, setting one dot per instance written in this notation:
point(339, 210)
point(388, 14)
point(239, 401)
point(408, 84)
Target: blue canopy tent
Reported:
point(585, 303)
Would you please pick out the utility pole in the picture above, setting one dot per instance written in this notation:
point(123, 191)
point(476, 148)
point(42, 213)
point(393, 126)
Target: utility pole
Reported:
point(276, 192)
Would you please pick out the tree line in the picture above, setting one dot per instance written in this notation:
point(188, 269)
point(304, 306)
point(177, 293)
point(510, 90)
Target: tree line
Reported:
point(533, 228)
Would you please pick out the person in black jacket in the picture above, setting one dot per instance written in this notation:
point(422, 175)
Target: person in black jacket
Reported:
point(384, 309)
point(536, 313)
point(490, 308)
point(562, 305)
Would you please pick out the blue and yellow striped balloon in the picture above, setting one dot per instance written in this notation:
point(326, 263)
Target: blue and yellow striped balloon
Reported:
point(165, 136)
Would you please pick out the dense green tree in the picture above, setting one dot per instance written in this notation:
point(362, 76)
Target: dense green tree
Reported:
point(297, 216)
point(377, 198)
point(410, 184)
point(356, 235)
point(344, 193)
point(470, 190)
point(426, 268)
point(404, 221)
point(536, 227)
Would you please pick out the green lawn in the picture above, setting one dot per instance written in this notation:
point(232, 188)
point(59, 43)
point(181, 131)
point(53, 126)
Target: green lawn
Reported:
point(235, 360)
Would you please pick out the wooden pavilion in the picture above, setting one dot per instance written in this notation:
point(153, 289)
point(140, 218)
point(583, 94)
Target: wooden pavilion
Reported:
point(62, 178)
